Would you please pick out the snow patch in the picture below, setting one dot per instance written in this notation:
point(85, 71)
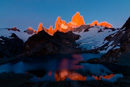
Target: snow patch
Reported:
point(21, 35)
point(93, 38)
point(1, 39)
point(117, 47)
point(109, 47)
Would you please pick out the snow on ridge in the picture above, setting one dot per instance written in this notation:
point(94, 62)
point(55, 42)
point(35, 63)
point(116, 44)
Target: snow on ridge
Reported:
point(89, 40)
point(109, 47)
point(1, 39)
point(22, 35)
point(93, 38)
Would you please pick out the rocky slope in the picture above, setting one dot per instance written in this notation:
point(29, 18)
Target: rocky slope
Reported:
point(10, 46)
point(82, 39)
point(120, 52)
point(43, 44)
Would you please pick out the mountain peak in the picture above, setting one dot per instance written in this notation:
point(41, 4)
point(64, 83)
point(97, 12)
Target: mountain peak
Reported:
point(94, 23)
point(58, 19)
point(30, 28)
point(106, 24)
point(78, 19)
point(50, 30)
point(40, 27)
point(103, 24)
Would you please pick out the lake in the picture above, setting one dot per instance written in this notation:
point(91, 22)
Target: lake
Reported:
point(61, 67)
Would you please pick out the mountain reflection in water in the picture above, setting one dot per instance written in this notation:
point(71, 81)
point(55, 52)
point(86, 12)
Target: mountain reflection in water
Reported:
point(61, 68)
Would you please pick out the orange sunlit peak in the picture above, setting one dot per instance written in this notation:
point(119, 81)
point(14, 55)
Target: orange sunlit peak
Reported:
point(40, 27)
point(58, 19)
point(60, 25)
point(63, 26)
point(57, 24)
point(50, 28)
point(103, 24)
point(106, 24)
point(78, 19)
point(30, 28)
point(51, 31)
point(94, 23)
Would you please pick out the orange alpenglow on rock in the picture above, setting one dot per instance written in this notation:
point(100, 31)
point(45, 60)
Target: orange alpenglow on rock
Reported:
point(62, 26)
point(57, 24)
point(30, 30)
point(51, 31)
point(95, 23)
point(78, 20)
point(40, 27)
point(103, 24)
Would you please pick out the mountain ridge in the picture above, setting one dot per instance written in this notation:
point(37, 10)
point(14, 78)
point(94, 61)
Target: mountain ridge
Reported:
point(76, 21)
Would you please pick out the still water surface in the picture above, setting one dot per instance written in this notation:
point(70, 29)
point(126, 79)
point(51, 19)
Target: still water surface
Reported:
point(62, 67)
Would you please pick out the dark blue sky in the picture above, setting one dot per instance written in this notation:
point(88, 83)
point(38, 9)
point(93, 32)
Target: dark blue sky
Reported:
point(26, 13)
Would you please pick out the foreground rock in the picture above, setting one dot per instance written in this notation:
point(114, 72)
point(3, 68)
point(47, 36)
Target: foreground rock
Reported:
point(10, 46)
point(13, 80)
point(43, 44)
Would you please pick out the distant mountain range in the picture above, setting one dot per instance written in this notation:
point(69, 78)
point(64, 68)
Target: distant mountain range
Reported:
point(62, 26)
point(67, 38)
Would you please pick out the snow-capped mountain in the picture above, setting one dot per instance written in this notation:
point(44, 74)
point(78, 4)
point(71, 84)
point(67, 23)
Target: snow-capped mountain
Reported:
point(91, 37)
point(7, 32)
point(62, 26)
point(72, 37)
point(118, 46)
point(94, 37)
